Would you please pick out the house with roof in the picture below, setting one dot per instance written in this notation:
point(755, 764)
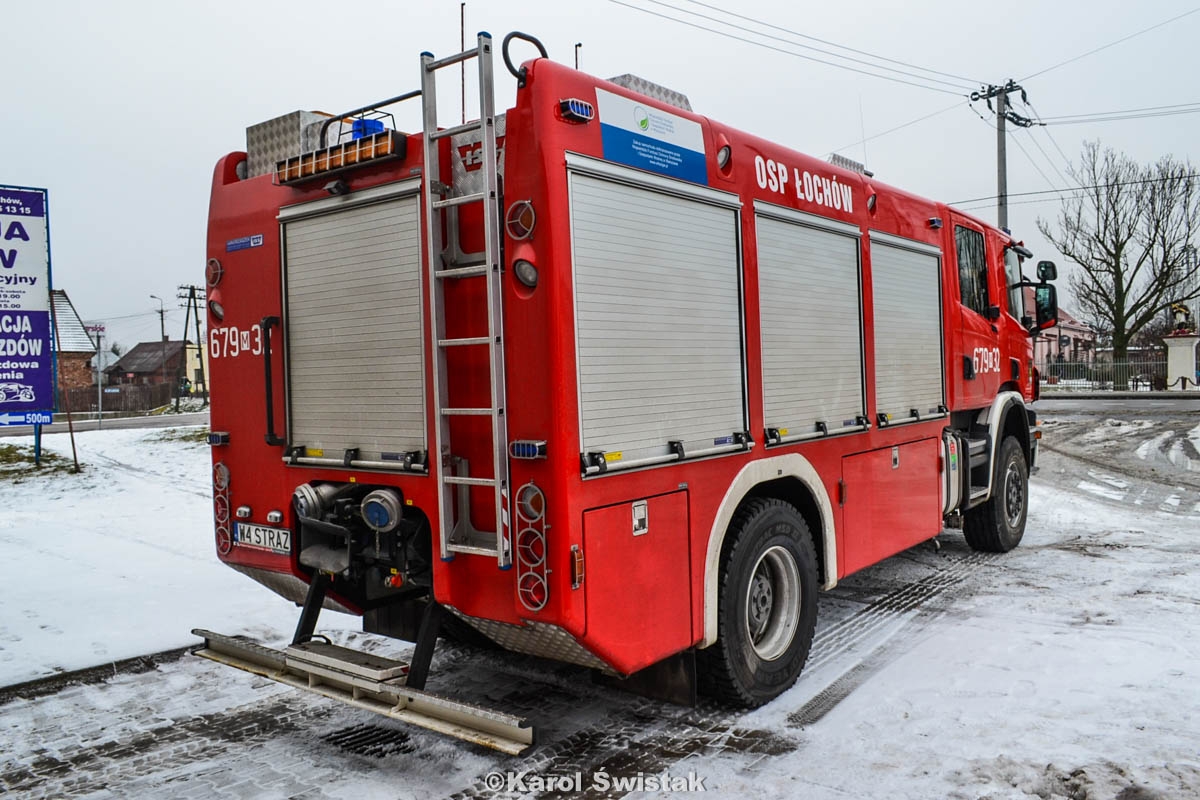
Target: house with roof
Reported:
point(148, 364)
point(1070, 340)
point(74, 344)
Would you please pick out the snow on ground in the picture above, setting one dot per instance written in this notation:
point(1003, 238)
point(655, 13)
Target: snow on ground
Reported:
point(119, 560)
point(1068, 668)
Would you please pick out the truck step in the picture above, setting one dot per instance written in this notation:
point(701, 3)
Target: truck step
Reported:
point(327, 670)
point(978, 449)
point(353, 662)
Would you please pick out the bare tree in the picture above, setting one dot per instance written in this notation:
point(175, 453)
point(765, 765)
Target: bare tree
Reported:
point(1132, 230)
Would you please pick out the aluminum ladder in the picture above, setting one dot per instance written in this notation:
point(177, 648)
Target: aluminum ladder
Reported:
point(456, 533)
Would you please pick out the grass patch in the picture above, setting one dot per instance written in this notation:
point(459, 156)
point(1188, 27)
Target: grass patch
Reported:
point(193, 435)
point(16, 463)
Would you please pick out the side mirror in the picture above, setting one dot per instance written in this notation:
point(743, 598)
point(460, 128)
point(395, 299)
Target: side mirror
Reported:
point(1045, 300)
point(1047, 271)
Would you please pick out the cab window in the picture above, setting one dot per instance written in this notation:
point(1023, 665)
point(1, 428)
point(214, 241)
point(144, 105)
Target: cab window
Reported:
point(972, 269)
point(1016, 295)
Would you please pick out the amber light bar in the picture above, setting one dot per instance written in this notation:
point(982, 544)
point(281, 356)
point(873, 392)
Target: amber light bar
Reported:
point(335, 158)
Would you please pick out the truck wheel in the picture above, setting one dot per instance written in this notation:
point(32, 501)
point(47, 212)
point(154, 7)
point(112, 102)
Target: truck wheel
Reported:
point(997, 525)
point(767, 606)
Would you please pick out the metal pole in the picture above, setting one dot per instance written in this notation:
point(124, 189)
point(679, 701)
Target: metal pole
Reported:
point(183, 361)
point(99, 387)
point(200, 345)
point(1001, 162)
point(577, 46)
point(162, 326)
point(58, 348)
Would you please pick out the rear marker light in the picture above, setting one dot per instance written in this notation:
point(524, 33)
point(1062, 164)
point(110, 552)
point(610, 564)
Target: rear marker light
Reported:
point(723, 157)
point(220, 476)
point(526, 272)
point(217, 438)
point(274, 517)
point(527, 449)
point(532, 547)
point(220, 479)
point(576, 110)
point(215, 306)
point(531, 503)
point(243, 512)
point(532, 591)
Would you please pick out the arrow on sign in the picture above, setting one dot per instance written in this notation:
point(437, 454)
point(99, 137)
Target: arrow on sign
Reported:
point(27, 418)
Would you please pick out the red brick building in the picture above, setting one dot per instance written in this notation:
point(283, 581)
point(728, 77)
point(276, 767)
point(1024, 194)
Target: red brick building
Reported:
point(74, 345)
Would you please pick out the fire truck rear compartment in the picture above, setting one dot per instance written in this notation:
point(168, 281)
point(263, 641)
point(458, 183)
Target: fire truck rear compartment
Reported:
point(352, 318)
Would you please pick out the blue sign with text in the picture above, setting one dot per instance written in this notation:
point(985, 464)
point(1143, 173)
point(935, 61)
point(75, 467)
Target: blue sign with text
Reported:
point(26, 353)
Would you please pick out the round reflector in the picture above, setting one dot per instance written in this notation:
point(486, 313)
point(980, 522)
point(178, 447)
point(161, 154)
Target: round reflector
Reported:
point(520, 220)
point(213, 272)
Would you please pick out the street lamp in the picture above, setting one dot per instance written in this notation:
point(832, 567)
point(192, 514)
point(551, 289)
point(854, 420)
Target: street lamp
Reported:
point(162, 325)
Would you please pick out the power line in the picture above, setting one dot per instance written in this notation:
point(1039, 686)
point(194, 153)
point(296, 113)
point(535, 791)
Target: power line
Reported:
point(1073, 189)
point(782, 50)
point(959, 78)
point(898, 127)
point(1120, 117)
point(1029, 158)
point(1110, 44)
point(1049, 160)
point(1123, 111)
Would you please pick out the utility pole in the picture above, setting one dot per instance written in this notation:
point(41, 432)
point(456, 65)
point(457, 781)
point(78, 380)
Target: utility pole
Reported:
point(1004, 113)
point(193, 299)
point(98, 329)
point(162, 325)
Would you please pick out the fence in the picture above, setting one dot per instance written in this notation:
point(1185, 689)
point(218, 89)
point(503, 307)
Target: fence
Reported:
point(1135, 375)
point(118, 399)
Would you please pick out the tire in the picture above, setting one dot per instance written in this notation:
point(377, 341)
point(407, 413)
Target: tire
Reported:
point(768, 580)
point(997, 525)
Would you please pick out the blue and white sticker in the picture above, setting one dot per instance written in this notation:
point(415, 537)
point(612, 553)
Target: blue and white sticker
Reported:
point(645, 137)
point(244, 243)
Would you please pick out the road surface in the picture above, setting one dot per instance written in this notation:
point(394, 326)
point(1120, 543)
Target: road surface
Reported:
point(157, 421)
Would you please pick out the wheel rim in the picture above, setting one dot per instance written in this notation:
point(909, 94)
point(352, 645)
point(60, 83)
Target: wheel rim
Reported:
point(773, 603)
point(1014, 497)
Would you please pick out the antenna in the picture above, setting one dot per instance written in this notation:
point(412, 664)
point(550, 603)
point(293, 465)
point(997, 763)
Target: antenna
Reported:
point(462, 46)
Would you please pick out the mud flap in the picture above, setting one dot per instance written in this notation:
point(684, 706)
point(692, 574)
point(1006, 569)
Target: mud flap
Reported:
point(368, 682)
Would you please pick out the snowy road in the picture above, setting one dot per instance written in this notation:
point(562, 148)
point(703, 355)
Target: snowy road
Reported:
point(1067, 668)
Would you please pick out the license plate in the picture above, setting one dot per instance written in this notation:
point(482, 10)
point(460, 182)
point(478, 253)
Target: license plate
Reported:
point(260, 537)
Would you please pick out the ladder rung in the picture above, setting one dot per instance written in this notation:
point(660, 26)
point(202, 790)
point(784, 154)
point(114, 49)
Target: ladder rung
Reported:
point(462, 272)
point(461, 200)
point(466, 127)
point(465, 481)
point(464, 341)
point(451, 60)
point(471, 548)
point(467, 412)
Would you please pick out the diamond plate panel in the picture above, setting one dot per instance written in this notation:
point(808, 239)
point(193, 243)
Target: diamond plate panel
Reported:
point(536, 639)
point(274, 140)
point(661, 93)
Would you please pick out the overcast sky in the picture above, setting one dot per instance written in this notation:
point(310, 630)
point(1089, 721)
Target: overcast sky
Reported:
point(121, 109)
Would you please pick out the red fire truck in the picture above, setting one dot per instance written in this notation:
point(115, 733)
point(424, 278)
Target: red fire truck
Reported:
point(600, 379)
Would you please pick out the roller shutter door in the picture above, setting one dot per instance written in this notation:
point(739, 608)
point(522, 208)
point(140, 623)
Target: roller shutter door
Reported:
point(809, 301)
point(908, 330)
point(658, 321)
point(353, 322)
